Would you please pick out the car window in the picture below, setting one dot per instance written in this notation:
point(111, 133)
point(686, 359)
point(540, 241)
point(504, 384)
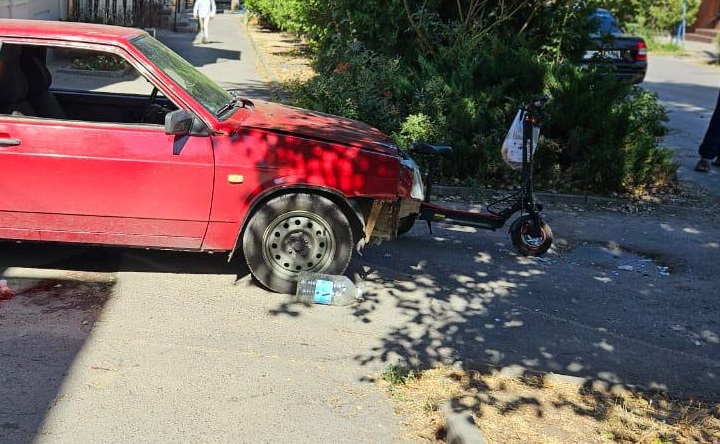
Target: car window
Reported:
point(96, 71)
point(212, 96)
point(77, 84)
point(605, 23)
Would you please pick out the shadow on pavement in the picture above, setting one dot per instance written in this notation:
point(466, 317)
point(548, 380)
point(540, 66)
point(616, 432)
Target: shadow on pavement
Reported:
point(220, 59)
point(43, 328)
point(112, 260)
point(622, 299)
point(697, 102)
point(48, 321)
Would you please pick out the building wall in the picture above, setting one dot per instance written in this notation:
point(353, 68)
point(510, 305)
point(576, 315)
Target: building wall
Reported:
point(34, 9)
point(707, 14)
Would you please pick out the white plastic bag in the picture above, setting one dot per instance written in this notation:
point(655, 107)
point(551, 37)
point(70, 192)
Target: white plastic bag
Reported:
point(512, 147)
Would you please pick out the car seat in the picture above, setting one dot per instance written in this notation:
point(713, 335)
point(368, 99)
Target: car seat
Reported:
point(39, 80)
point(13, 85)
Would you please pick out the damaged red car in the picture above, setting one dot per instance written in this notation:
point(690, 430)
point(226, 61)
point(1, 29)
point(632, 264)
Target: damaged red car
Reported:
point(108, 137)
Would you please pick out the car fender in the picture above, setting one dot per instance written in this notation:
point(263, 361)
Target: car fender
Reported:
point(290, 185)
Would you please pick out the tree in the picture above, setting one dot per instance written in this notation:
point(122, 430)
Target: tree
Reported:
point(653, 15)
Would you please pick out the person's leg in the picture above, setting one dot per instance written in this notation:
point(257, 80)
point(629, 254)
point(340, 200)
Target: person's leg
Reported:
point(206, 29)
point(711, 142)
point(200, 27)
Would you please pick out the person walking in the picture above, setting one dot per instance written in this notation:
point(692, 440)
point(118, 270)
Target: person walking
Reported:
point(711, 142)
point(204, 10)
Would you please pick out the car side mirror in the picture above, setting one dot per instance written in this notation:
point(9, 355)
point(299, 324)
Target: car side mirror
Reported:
point(182, 122)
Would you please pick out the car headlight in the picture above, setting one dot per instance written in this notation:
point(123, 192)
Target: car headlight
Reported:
point(418, 189)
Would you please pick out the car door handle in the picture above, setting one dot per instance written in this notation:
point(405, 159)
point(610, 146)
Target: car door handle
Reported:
point(9, 142)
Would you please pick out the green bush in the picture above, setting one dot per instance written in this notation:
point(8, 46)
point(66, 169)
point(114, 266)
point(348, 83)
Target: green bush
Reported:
point(441, 76)
point(288, 15)
point(604, 135)
point(363, 86)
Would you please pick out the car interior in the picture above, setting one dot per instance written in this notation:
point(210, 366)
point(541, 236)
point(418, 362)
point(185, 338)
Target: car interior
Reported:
point(27, 88)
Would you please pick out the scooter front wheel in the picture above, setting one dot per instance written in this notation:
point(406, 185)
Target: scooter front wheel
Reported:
point(528, 239)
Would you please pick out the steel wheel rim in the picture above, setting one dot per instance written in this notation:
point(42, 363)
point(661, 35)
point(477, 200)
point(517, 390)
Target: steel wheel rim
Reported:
point(298, 241)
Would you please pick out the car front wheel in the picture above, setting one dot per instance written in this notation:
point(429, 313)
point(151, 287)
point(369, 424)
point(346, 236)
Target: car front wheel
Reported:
point(294, 233)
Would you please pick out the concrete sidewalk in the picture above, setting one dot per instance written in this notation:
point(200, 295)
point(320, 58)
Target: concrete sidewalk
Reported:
point(228, 58)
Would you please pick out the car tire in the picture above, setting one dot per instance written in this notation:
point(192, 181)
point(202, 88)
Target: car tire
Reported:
point(293, 233)
point(525, 242)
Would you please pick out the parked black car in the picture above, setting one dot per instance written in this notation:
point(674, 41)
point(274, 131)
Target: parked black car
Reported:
point(623, 55)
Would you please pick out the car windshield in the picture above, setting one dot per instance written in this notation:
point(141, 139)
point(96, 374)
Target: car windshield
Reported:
point(195, 83)
point(605, 23)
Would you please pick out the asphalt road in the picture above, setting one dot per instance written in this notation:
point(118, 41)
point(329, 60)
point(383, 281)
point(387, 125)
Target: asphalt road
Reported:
point(688, 87)
point(135, 346)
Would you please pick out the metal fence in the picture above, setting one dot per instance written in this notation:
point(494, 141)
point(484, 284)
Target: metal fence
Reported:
point(135, 13)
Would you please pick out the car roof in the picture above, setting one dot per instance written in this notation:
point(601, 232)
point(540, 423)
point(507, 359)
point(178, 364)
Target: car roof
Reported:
point(66, 30)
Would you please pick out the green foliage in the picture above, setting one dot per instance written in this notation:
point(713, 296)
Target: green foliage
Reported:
point(605, 135)
point(653, 15)
point(452, 72)
point(659, 46)
point(99, 62)
point(364, 86)
point(288, 15)
point(398, 375)
point(417, 127)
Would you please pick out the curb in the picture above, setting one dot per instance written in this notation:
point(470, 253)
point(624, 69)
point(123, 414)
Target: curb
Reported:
point(443, 191)
point(460, 427)
point(548, 197)
point(98, 72)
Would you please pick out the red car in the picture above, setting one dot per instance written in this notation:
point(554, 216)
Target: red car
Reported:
point(108, 137)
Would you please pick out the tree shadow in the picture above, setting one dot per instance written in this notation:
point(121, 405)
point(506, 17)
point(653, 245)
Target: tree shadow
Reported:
point(590, 309)
point(224, 66)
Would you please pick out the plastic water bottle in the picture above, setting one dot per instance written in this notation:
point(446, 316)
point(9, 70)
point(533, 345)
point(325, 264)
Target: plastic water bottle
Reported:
point(5, 291)
point(326, 289)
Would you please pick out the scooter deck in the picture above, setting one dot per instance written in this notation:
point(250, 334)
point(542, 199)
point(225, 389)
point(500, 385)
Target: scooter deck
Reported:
point(436, 213)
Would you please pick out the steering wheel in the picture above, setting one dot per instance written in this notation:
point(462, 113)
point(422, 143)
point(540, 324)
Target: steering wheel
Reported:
point(148, 112)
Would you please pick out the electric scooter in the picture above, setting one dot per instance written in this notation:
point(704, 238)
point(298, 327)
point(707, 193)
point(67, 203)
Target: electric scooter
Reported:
point(530, 235)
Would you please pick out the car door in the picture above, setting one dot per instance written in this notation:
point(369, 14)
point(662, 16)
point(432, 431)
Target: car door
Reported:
point(103, 183)
point(122, 183)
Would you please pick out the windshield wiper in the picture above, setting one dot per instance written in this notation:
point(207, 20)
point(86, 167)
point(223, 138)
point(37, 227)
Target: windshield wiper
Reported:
point(225, 108)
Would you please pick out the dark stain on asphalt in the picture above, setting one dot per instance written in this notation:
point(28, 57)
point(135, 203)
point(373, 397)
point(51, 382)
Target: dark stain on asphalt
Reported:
point(54, 295)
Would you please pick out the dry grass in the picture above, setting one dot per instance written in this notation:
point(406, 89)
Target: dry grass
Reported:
point(533, 410)
point(286, 56)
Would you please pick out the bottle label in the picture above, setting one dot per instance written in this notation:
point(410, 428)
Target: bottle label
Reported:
point(323, 292)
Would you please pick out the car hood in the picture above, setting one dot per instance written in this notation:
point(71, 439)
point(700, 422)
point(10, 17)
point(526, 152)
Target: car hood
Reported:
point(319, 126)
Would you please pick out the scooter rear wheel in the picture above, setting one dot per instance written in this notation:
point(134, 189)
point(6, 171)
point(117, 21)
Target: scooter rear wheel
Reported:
point(529, 240)
point(406, 224)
